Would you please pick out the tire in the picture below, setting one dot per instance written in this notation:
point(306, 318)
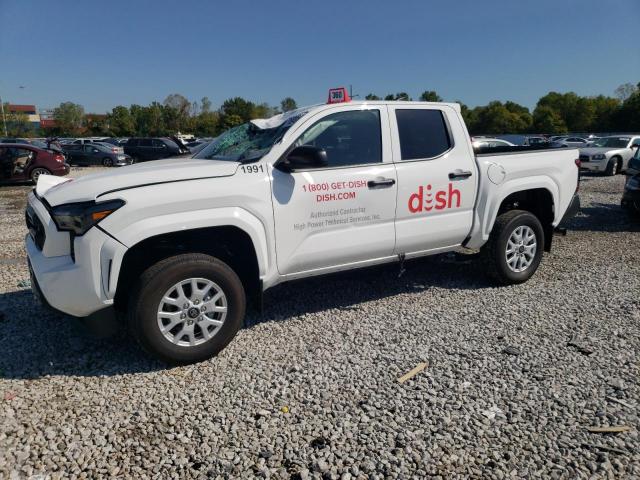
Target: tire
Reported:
point(177, 345)
point(495, 254)
point(613, 167)
point(107, 162)
point(36, 172)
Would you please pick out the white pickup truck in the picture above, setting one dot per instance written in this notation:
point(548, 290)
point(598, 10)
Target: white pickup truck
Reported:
point(179, 246)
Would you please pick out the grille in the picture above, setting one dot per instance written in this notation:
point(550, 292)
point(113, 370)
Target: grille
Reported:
point(584, 158)
point(35, 226)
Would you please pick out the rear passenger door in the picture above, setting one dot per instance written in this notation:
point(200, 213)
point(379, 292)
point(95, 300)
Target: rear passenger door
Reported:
point(437, 178)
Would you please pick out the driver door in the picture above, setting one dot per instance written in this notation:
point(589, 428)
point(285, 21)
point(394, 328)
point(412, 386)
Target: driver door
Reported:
point(342, 213)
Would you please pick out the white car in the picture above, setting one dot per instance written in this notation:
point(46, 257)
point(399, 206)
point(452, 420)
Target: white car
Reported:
point(180, 246)
point(576, 142)
point(609, 155)
point(486, 142)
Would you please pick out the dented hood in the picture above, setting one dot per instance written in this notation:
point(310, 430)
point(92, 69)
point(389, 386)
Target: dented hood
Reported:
point(57, 191)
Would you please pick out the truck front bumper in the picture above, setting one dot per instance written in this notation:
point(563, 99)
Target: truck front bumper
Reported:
point(64, 285)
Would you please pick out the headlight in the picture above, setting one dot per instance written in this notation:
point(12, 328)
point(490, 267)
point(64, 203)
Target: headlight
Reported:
point(80, 217)
point(599, 156)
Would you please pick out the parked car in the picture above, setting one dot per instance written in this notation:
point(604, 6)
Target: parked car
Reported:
point(182, 245)
point(535, 141)
point(486, 142)
point(143, 149)
point(574, 142)
point(610, 155)
point(20, 162)
point(631, 195)
point(96, 154)
point(15, 140)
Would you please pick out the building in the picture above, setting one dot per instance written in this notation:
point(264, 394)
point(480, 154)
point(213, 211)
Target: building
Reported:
point(29, 110)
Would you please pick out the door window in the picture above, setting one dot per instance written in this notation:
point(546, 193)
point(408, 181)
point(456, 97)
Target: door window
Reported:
point(144, 142)
point(349, 138)
point(21, 158)
point(423, 133)
point(157, 143)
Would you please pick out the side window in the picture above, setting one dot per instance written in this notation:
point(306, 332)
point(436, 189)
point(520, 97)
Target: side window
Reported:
point(636, 142)
point(349, 138)
point(423, 133)
point(144, 142)
point(157, 143)
point(132, 142)
point(88, 148)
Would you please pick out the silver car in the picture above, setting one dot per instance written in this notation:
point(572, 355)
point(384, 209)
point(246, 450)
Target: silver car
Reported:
point(610, 155)
point(570, 142)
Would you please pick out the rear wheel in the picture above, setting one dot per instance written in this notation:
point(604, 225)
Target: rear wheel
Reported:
point(187, 308)
point(107, 162)
point(36, 172)
point(514, 250)
point(613, 167)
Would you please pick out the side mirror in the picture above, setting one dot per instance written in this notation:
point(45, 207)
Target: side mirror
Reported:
point(303, 157)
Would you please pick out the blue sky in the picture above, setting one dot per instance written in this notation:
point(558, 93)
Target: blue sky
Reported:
point(101, 54)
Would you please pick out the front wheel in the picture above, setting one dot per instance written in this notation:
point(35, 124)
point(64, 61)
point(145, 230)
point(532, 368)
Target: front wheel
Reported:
point(612, 167)
point(514, 250)
point(187, 308)
point(36, 172)
point(107, 162)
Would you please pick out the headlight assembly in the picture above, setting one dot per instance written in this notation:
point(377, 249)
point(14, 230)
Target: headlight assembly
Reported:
point(80, 217)
point(599, 156)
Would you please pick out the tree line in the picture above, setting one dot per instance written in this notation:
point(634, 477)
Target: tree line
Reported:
point(554, 113)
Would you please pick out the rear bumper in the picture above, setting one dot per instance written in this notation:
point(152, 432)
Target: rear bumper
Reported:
point(572, 210)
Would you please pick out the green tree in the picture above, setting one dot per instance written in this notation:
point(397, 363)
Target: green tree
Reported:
point(548, 120)
point(239, 107)
point(372, 96)
point(230, 121)
point(205, 105)
point(627, 117)
point(497, 118)
point(625, 90)
point(69, 118)
point(430, 96)
point(206, 124)
point(263, 110)
point(121, 122)
point(288, 104)
point(398, 96)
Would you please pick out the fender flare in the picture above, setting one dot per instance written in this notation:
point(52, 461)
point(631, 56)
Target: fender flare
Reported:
point(183, 221)
point(514, 186)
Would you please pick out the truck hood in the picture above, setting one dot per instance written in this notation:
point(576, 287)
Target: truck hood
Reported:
point(56, 190)
point(596, 150)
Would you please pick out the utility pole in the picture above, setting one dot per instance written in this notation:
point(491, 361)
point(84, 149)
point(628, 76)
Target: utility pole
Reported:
point(4, 120)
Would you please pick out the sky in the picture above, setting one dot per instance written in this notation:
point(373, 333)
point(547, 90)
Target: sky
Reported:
point(102, 54)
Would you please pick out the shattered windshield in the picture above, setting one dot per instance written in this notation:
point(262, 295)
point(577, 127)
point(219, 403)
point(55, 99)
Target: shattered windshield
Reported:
point(250, 141)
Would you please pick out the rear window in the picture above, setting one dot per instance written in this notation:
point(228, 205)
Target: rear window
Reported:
point(423, 133)
point(132, 142)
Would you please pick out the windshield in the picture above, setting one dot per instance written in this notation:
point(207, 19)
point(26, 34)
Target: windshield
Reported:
point(251, 141)
point(612, 142)
point(243, 143)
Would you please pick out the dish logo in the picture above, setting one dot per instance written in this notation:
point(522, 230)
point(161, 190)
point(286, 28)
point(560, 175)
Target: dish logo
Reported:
point(425, 200)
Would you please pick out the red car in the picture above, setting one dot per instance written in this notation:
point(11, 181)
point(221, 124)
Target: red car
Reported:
point(20, 162)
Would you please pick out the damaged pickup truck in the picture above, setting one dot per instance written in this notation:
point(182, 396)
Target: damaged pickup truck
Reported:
point(179, 247)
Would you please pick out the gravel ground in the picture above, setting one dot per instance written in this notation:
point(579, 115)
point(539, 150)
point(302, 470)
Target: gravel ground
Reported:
point(309, 389)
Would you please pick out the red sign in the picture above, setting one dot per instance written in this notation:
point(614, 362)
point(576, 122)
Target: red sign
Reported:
point(338, 95)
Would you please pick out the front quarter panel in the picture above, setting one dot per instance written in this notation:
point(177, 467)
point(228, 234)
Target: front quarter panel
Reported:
point(241, 200)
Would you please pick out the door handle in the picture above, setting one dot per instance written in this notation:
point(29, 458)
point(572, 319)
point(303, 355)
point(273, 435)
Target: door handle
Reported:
point(459, 174)
point(381, 183)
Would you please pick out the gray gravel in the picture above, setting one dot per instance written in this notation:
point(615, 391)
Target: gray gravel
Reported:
point(309, 389)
